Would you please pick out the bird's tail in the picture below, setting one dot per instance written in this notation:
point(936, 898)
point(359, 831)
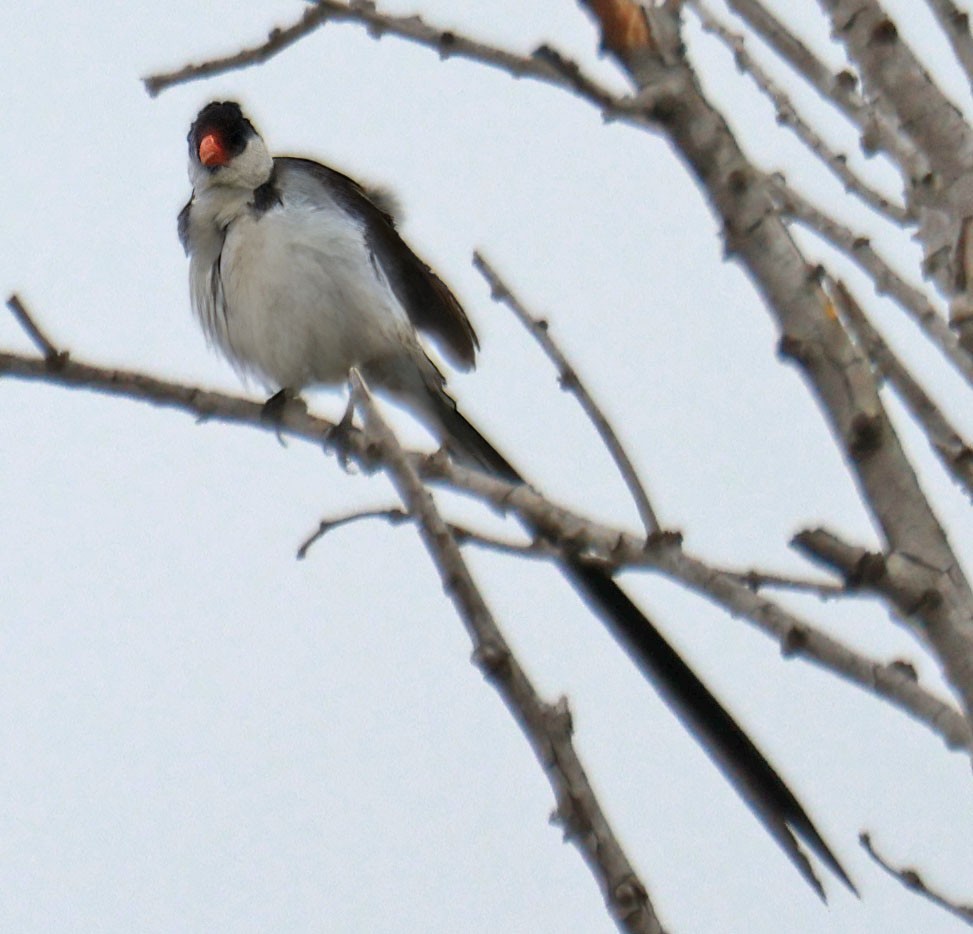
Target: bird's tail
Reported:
point(747, 769)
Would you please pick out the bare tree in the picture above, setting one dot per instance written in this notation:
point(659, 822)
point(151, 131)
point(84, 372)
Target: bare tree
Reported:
point(822, 282)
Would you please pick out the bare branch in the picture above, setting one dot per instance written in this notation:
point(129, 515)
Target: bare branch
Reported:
point(277, 40)
point(663, 553)
point(892, 73)
point(953, 451)
point(586, 827)
point(788, 115)
point(548, 727)
point(895, 682)
point(795, 636)
point(859, 249)
point(462, 534)
point(902, 578)
point(811, 336)
point(879, 128)
point(856, 564)
point(204, 404)
point(956, 24)
point(52, 355)
point(798, 638)
point(913, 881)
point(545, 64)
point(571, 382)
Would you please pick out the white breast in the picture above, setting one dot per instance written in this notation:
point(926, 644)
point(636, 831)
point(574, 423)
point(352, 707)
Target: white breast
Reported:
point(299, 299)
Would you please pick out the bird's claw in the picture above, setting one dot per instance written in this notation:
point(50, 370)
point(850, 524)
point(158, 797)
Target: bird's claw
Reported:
point(338, 435)
point(274, 408)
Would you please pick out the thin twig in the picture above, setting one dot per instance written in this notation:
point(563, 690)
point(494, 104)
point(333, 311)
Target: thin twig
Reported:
point(955, 454)
point(571, 382)
point(548, 727)
point(759, 580)
point(40, 339)
point(913, 881)
point(895, 681)
point(392, 516)
point(277, 40)
point(621, 560)
point(538, 548)
point(788, 115)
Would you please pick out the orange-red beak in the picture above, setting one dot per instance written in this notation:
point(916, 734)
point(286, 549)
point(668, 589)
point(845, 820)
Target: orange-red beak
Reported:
point(211, 151)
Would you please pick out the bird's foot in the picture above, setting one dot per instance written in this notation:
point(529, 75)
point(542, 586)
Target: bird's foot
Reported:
point(275, 407)
point(338, 435)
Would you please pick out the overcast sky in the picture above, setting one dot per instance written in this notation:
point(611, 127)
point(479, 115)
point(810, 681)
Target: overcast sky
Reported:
point(201, 733)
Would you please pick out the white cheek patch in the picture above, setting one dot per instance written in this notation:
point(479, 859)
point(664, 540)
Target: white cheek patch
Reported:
point(250, 169)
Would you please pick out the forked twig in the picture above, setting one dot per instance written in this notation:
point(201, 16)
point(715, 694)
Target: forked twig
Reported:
point(40, 339)
point(392, 516)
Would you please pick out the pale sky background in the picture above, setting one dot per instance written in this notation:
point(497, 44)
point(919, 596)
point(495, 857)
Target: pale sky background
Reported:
point(201, 734)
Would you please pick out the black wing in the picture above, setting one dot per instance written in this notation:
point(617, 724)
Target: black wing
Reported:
point(183, 225)
point(428, 301)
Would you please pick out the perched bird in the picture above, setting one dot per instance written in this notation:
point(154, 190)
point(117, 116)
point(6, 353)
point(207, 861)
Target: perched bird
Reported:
point(297, 274)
